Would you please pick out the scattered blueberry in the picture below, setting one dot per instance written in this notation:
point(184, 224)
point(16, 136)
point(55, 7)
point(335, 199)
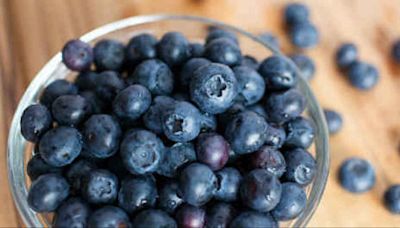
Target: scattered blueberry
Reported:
point(141, 47)
point(270, 159)
point(96, 104)
point(189, 68)
point(301, 167)
point(55, 89)
point(109, 55)
point(275, 136)
point(346, 55)
point(196, 50)
point(37, 167)
point(169, 198)
point(334, 121)
point(305, 64)
point(70, 109)
point(396, 50)
point(208, 122)
point(153, 218)
point(293, 201)
point(74, 212)
point(86, 80)
point(173, 48)
point(212, 150)
point(248, 219)
point(392, 199)
point(284, 106)
point(259, 109)
point(270, 39)
point(228, 184)
point(99, 186)
point(175, 157)
point(278, 73)
point(362, 75)
point(77, 55)
point(357, 175)
point(109, 216)
point(296, 13)
point(77, 170)
point(108, 86)
point(216, 33)
point(35, 121)
point(223, 50)
point(249, 61)
point(220, 215)
point(304, 35)
point(299, 133)
point(251, 85)
point(190, 217)
point(152, 119)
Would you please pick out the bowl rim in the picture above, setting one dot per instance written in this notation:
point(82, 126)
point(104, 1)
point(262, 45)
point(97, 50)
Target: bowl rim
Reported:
point(18, 191)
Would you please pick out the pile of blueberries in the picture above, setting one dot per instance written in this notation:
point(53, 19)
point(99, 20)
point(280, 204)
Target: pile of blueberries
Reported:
point(168, 133)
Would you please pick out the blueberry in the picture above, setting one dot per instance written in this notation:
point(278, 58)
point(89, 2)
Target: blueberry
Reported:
point(109, 55)
point(248, 219)
point(334, 121)
point(155, 76)
point(220, 215)
point(169, 199)
point(305, 64)
point(260, 190)
point(346, 55)
point(216, 33)
point(109, 84)
point(35, 121)
point(251, 85)
point(37, 167)
point(296, 13)
point(278, 73)
point(153, 218)
point(304, 35)
point(392, 199)
point(141, 47)
point(175, 157)
point(77, 170)
point(173, 48)
point(301, 167)
point(275, 136)
point(213, 150)
point(96, 104)
point(73, 212)
point(132, 102)
point(395, 52)
point(190, 217)
point(246, 132)
point(189, 68)
point(227, 116)
point(86, 80)
point(55, 89)
point(299, 133)
point(293, 201)
point(137, 193)
point(141, 151)
point(77, 55)
point(70, 109)
point(249, 61)
point(181, 123)
point(363, 76)
point(259, 109)
point(60, 146)
point(208, 122)
point(357, 175)
point(223, 50)
point(283, 106)
point(47, 192)
point(196, 50)
point(152, 119)
point(213, 88)
point(197, 184)
point(270, 39)
point(109, 216)
point(228, 184)
point(99, 186)
point(270, 159)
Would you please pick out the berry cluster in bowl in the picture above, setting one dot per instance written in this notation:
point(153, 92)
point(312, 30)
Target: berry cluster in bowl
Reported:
point(168, 133)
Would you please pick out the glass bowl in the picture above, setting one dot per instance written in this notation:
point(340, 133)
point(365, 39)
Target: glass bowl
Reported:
point(195, 28)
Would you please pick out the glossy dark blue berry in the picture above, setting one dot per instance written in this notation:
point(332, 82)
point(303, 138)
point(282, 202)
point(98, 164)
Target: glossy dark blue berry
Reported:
point(60, 146)
point(259, 109)
point(47, 192)
point(86, 80)
point(284, 106)
point(35, 121)
point(196, 50)
point(70, 110)
point(270, 159)
point(251, 85)
point(392, 199)
point(216, 33)
point(152, 119)
point(169, 198)
point(220, 215)
point(395, 52)
point(109, 55)
point(246, 132)
point(155, 75)
point(109, 216)
point(346, 55)
point(249, 61)
point(228, 184)
point(189, 68)
point(227, 116)
point(197, 184)
point(175, 157)
point(213, 150)
point(223, 50)
point(357, 175)
point(304, 35)
point(248, 219)
point(278, 73)
point(296, 13)
point(301, 167)
point(141, 47)
point(260, 190)
point(141, 151)
point(137, 193)
point(77, 55)
point(305, 64)
point(292, 203)
point(55, 89)
point(362, 75)
point(191, 217)
point(208, 122)
point(37, 167)
point(99, 186)
point(173, 48)
point(77, 170)
point(334, 121)
point(275, 136)
point(213, 88)
point(270, 39)
point(299, 133)
point(109, 84)
point(96, 104)
point(181, 123)
point(153, 218)
point(132, 102)
point(74, 212)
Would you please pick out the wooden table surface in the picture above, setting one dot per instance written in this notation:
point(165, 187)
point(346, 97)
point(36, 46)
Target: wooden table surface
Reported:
point(33, 31)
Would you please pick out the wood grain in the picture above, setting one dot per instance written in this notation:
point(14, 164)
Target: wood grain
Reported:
point(33, 31)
